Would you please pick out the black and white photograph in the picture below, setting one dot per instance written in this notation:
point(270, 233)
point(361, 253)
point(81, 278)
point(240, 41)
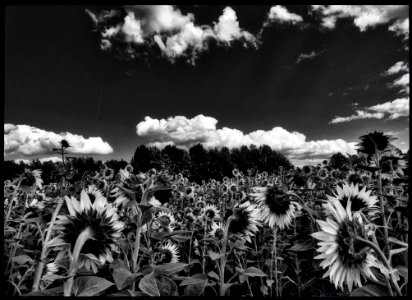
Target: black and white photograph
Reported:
point(206, 150)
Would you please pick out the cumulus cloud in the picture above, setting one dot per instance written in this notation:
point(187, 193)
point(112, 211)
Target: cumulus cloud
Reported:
point(306, 56)
point(183, 132)
point(280, 14)
point(29, 141)
point(365, 16)
point(392, 109)
point(145, 27)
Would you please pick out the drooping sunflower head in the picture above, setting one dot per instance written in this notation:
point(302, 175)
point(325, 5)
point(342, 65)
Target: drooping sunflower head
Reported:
point(307, 170)
point(246, 219)
point(373, 141)
point(345, 257)
point(168, 253)
point(276, 207)
point(102, 221)
point(360, 200)
point(210, 212)
point(30, 180)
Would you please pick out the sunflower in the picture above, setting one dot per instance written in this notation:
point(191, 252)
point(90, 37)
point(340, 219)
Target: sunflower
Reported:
point(30, 180)
point(101, 219)
point(246, 218)
point(166, 220)
point(218, 230)
point(360, 200)
point(169, 253)
point(323, 173)
point(276, 207)
point(93, 193)
point(345, 258)
point(108, 173)
point(210, 212)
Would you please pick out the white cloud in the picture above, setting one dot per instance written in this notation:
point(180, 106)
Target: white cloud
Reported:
point(403, 81)
point(360, 114)
point(401, 28)
point(51, 158)
point(306, 56)
point(183, 132)
point(392, 109)
point(29, 141)
point(398, 67)
point(166, 27)
point(396, 108)
point(365, 16)
point(280, 14)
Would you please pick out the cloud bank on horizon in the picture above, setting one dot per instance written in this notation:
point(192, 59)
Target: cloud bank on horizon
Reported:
point(184, 132)
point(28, 141)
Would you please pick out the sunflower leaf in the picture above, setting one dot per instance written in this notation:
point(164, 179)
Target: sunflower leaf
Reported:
point(369, 290)
point(22, 259)
point(87, 286)
point(195, 279)
point(195, 289)
point(213, 275)
point(253, 272)
point(215, 256)
point(148, 285)
point(170, 268)
point(301, 247)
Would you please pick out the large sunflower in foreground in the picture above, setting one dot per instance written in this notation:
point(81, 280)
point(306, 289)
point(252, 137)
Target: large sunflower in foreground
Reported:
point(102, 221)
point(361, 200)
point(345, 257)
point(276, 207)
point(246, 218)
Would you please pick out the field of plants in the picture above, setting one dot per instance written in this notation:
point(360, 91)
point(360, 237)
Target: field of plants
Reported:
point(310, 231)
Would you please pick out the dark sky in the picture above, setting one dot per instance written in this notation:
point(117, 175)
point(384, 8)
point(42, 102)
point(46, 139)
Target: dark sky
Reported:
point(58, 79)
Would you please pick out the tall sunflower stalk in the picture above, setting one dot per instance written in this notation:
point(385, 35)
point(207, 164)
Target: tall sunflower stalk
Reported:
point(83, 237)
point(43, 256)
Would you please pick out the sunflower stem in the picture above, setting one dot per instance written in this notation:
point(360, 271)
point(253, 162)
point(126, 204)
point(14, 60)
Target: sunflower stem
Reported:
point(377, 162)
point(137, 245)
point(307, 209)
point(223, 259)
point(11, 202)
point(83, 237)
point(39, 270)
point(384, 260)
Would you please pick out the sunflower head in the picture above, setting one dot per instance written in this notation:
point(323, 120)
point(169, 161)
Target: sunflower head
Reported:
point(30, 180)
point(276, 206)
point(342, 253)
point(373, 141)
point(210, 212)
point(246, 218)
point(361, 200)
point(102, 221)
point(167, 253)
point(218, 230)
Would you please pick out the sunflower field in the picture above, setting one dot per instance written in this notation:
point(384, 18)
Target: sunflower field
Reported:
point(311, 231)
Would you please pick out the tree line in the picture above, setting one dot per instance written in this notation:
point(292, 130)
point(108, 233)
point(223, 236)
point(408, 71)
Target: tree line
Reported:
point(197, 163)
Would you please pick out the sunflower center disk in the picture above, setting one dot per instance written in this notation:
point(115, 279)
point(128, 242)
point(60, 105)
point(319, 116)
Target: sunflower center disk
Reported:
point(277, 202)
point(350, 251)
